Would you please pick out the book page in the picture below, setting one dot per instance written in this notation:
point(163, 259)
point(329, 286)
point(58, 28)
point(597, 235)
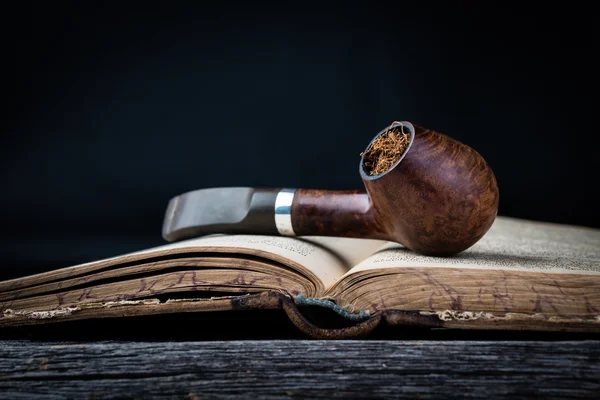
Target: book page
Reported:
point(326, 258)
point(510, 244)
point(322, 260)
point(350, 251)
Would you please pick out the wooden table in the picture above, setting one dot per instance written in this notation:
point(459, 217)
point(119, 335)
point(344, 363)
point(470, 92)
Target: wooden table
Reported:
point(294, 368)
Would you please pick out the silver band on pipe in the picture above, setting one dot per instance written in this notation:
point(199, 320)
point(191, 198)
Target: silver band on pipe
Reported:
point(283, 212)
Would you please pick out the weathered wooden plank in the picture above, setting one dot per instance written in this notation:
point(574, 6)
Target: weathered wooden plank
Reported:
point(568, 369)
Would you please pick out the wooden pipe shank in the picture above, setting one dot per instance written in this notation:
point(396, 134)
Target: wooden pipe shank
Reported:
point(333, 213)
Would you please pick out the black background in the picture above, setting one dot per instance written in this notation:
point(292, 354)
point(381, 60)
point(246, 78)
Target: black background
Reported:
point(113, 108)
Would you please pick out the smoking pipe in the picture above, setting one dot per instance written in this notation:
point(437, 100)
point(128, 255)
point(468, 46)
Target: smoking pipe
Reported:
point(438, 198)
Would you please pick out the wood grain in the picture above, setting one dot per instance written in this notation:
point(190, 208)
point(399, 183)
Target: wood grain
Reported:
point(439, 199)
point(288, 369)
point(334, 213)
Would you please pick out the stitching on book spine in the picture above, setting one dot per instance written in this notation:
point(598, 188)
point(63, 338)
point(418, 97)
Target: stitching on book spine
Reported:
point(315, 301)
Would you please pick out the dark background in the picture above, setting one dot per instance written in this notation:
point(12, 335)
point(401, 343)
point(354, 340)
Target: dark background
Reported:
point(115, 107)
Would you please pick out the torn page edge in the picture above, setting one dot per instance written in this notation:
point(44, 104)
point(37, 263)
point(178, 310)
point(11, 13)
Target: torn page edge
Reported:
point(452, 315)
point(314, 301)
point(449, 315)
point(65, 311)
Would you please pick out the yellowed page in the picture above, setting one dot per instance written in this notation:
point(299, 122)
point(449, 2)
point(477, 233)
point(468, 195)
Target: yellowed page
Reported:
point(350, 251)
point(511, 244)
point(323, 260)
point(327, 258)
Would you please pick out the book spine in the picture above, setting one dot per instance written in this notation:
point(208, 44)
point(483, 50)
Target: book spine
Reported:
point(315, 301)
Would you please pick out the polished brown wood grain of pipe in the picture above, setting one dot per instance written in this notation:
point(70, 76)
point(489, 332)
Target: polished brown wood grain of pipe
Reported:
point(334, 213)
point(440, 199)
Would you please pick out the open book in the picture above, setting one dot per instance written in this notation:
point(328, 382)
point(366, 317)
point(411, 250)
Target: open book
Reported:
point(521, 275)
